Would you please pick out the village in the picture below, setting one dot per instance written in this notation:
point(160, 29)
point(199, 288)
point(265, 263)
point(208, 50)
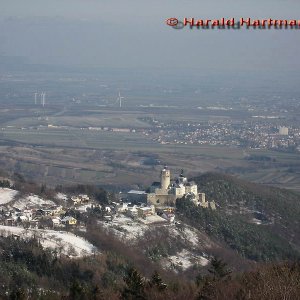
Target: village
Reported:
point(37, 213)
point(60, 221)
point(69, 212)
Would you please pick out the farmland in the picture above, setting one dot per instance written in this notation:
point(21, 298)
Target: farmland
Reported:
point(83, 135)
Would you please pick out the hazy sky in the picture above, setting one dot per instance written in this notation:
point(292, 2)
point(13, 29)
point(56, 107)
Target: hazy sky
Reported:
point(132, 33)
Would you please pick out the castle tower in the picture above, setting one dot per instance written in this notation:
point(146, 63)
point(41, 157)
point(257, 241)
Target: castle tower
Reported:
point(165, 176)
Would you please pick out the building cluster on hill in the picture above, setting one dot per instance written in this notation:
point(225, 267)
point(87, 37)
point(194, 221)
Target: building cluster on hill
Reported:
point(160, 198)
point(35, 212)
point(167, 190)
point(156, 205)
point(145, 213)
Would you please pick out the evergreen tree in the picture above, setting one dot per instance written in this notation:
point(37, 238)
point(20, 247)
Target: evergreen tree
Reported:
point(134, 288)
point(218, 269)
point(76, 291)
point(157, 282)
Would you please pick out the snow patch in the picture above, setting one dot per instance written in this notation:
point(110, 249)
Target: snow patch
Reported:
point(191, 236)
point(153, 219)
point(256, 221)
point(188, 233)
point(181, 259)
point(66, 242)
point(7, 195)
point(84, 208)
point(130, 231)
point(184, 260)
point(32, 201)
point(61, 196)
point(125, 228)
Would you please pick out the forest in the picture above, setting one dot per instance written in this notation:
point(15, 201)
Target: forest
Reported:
point(29, 272)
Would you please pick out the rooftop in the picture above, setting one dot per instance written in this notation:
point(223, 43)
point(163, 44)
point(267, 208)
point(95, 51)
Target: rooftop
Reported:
point(137, 192)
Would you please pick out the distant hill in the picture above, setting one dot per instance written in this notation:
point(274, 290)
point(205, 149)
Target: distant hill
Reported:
point(260, 222)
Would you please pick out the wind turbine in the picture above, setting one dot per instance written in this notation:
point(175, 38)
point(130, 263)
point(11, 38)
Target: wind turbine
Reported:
point(119, 99)
point(43, 98)
point(35, 98)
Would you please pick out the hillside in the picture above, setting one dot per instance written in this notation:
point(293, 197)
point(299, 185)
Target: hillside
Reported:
point(27, 271)
point(108, 254)
point(261, 223)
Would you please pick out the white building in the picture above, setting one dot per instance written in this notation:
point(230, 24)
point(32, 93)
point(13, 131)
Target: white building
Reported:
point(283, 130)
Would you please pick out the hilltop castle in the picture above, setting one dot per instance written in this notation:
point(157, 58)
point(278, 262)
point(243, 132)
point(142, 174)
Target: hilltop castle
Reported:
point(167, 191)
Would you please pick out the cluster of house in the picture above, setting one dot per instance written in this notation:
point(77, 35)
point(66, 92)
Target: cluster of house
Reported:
point(156, 204)
point(140, 211)
point(35, 217)
point(43, 214)
point(80, 199)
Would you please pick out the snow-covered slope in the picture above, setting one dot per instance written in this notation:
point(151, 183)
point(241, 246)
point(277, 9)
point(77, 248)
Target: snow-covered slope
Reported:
point(125, 228)
point(7, 195)
point(65, 242)
point(61, 196)
point(32, 201)
point(196, 244)
point(184, 260)
point(8, 198)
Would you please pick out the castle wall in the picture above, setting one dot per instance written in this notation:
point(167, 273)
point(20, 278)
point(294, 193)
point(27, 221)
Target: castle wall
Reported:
point(191, 189)
point(161, 199)
point(178, 192)
point(202, 197)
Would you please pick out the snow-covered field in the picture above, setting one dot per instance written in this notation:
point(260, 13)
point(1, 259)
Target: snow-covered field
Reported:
point(125, 228)
point(61, 196)
point(66, 242)
point(153, 219)
point(184, 260)
point(7, 195)
point(84, 208)
point(32, 201)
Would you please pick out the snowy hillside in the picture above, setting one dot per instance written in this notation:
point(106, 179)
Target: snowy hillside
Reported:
point(196, 243)
point(32, 201)
point(184, 260)
point(7, 195)
point(66, 242)
point(8, 198)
